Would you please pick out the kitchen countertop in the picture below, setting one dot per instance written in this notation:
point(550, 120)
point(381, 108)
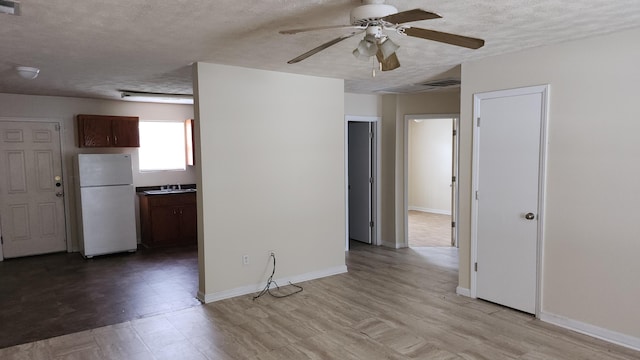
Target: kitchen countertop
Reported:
point(167, 192)
point(157, 190)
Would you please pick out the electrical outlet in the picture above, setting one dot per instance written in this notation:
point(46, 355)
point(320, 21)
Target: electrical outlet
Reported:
point(245, 259)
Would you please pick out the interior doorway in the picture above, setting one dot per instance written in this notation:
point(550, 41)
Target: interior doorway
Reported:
point(431, 167)
point(362, 172)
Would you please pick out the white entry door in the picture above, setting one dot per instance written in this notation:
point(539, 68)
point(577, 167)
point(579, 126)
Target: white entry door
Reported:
point(360, 176)
point(31, 197)
point(509, 128)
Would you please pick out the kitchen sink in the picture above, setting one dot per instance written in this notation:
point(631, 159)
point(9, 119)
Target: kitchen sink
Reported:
point(169, 191)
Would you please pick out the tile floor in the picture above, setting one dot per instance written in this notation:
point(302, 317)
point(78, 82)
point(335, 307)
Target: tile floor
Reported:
point(429, 229)
point(50, 295)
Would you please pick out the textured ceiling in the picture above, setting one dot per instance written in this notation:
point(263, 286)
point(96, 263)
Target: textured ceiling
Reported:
point(93, 48)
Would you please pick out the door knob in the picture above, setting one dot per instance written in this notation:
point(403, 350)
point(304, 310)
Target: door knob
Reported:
point(529, 216)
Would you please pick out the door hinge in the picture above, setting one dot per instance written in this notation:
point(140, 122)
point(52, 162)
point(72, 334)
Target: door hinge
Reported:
point(478, 122)
point(370, 134)
point(453, 224)
point(453, 179)
point(370, 223)
point(1, 240)
point(370, 180)
point(477, 196)
point(455, 132)
point(476, 266)
point(57, 127)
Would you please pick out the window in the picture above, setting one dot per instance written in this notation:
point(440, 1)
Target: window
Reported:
point(162, 145)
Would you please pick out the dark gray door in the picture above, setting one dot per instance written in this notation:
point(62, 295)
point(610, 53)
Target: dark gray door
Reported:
point(360, 177)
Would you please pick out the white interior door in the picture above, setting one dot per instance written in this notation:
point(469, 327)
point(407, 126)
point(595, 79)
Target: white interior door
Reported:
point(360, 175)
point(31, 196)
point(507, 205)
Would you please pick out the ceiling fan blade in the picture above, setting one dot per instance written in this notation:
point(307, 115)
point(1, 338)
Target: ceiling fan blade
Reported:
point(295, 31)
point(322, 47)
point(410, 15)
point(390, 63)
point(459, 40)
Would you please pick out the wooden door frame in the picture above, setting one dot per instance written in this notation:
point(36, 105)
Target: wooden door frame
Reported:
point(455, 211)
point(377, 190)
point(66, 179)
point(543, 90)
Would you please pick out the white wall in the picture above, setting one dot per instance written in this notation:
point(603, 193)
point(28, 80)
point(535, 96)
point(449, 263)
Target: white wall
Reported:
point(64, 109)
point(272, 177)
point(362, 104)
point(429, 173)
point(592, 218)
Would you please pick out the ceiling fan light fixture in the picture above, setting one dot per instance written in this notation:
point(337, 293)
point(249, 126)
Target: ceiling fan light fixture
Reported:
point(388, 48)
point(360, 56)
point(365, 50)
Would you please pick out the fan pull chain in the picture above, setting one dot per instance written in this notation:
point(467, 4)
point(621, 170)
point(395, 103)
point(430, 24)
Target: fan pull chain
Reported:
point(373, 67)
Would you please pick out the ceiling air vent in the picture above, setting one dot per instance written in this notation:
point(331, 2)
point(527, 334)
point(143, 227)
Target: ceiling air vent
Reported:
point(9, 7)
point(442, 83)
point(423, 87)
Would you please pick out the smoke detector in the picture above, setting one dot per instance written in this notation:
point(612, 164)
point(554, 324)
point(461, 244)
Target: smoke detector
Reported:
point(10, 7)
point(27, 72)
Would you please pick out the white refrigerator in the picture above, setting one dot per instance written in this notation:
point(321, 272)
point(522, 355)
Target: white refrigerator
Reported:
point(106, 204)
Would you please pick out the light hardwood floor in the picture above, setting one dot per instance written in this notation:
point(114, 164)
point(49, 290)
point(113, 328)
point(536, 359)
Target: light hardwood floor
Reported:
point(429, 229)
point(392, 304)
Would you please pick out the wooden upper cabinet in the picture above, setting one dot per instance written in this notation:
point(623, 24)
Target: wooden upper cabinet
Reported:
point(108, 131)
point(125, 132)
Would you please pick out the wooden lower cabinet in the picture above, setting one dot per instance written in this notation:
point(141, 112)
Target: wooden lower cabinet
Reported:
point(189, 222)
point(168, 219)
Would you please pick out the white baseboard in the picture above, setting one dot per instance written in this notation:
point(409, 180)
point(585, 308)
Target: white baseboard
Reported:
point(249, 289)
point(394, 245)
point(434, 211)
point(591, 330)
point(463, 291)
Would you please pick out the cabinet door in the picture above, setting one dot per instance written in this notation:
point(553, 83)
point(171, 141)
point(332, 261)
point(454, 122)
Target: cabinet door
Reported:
point(94, 131)
point(125, 131)
point(165, 225)
point(189, 224)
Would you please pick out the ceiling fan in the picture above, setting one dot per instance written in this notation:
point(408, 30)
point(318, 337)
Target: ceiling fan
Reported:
point(375, 17)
